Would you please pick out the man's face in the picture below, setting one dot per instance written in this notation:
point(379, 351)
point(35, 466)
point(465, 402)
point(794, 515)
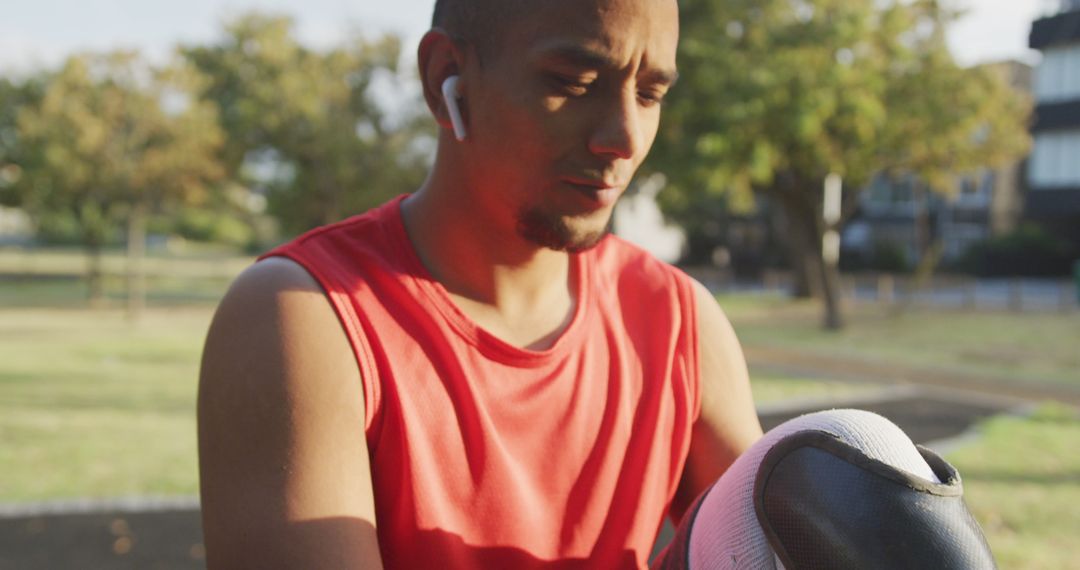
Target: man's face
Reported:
point(563, 111)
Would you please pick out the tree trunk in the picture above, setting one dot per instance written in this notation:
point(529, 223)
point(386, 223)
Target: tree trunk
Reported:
point(805, 232)
point(95, 287)
point(136, 253)
point(830, 287)
point(94, 231)
point(922, 221)
point(797, 254)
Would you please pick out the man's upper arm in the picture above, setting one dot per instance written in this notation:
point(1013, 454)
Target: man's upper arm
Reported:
point(285, 479)
point(728, 423)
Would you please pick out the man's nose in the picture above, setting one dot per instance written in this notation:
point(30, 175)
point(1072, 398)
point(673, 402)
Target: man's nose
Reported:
point(617, 132)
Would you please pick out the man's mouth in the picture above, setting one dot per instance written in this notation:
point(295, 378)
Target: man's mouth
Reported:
point(603, 193)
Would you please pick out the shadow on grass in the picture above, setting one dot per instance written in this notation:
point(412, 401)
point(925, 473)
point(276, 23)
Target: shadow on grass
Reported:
point(67, 292)
point(1014, 477)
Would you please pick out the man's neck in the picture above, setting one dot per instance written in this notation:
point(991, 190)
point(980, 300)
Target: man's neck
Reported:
point(518, 291)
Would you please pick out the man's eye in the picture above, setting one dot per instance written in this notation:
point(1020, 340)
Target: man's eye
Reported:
point(650, 98)
point(572, 86)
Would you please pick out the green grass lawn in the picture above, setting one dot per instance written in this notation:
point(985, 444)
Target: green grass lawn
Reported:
point(92, 406)
point(1022, 482)
point(772, 388)
point(998, 345)
point(53, 277)
point(193, 260)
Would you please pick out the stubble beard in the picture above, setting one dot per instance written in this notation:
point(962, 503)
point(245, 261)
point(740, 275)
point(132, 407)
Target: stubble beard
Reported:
point(551, 231)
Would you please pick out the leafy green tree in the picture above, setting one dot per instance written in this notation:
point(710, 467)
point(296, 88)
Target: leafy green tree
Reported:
point(777, 94)
point(14, 95)
point(111, 140)
point(305, 126)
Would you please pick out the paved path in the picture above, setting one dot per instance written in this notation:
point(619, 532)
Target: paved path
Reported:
point(818, 365)
point(171, 538)
point(932, 417)
point(926, 417)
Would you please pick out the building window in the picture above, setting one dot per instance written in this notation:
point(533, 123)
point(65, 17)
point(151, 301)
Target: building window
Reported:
point(1055, 160)
point(1058, 76)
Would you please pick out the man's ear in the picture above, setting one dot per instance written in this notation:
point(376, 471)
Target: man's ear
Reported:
point(440, 57)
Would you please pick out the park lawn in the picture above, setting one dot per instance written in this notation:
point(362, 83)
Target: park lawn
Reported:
point(996, 345)
point(192, 259)
point(771, 388)
point(1022, 481)
point(53, 277)
point(162, 291)
point(91, 406)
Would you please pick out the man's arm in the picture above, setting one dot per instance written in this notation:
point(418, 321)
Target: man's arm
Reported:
point(728, 423)
point(283, 460)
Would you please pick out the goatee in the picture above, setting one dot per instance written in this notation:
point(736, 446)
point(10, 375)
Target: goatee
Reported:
point(552, 231)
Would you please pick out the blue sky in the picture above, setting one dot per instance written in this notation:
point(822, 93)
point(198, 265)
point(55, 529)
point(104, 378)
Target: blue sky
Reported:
point(42, 32)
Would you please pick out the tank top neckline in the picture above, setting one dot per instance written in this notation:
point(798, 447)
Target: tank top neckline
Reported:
point(487, 343)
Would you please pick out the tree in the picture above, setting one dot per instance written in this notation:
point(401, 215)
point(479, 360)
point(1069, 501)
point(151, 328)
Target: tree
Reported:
point(111, 140)
point(306, 126)
point(14, 95)
point(776, 95)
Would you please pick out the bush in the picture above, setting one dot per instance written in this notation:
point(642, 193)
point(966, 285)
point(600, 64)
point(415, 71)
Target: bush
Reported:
point(1028, 251)
point(211, 226)
point(62, 229)
point(884, 256)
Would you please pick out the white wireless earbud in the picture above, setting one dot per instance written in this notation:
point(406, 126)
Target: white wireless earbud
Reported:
point(450, 96)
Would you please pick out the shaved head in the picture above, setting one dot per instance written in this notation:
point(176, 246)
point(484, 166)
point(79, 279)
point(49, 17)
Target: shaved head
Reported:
point(478, 22)
point(561, 99)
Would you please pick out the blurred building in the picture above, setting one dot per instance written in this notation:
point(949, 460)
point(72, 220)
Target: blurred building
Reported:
point(1053, 177)
point(638, 219)
point(901, 216)
point(15, 227)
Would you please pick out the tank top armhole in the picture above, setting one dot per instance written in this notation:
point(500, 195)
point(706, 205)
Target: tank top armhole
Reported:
point(691, 350)
point(350, 323)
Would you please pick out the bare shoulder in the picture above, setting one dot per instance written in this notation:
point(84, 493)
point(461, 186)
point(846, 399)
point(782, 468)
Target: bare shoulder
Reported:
point(272, 299)
point(728, 423)
point(282, 450)
point(727, 403)
point(721, 354)
point(277, 296)
point(274, 330)
point(268, 286)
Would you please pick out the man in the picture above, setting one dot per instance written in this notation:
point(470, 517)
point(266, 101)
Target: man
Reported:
point(476, 375)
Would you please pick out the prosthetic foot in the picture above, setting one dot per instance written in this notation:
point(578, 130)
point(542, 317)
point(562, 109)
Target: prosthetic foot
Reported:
point(837, 490)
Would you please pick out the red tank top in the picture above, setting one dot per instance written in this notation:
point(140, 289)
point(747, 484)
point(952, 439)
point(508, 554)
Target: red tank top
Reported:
point(486, 455)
